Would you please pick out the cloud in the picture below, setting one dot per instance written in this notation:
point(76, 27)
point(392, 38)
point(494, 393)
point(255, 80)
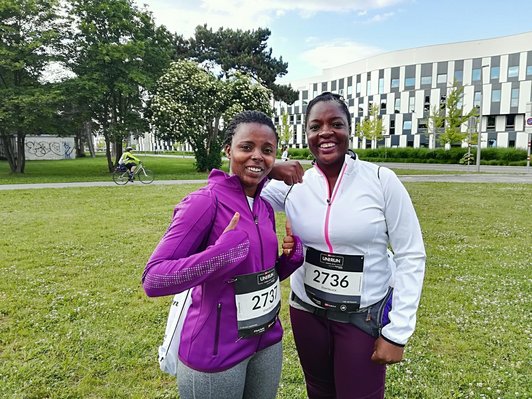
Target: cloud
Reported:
point(182, 16)
point(337, 52)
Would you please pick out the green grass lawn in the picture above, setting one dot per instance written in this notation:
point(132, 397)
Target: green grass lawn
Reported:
point(95, 169)
point(75, 322)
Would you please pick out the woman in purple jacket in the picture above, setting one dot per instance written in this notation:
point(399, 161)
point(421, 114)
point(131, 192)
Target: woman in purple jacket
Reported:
point(222, 242)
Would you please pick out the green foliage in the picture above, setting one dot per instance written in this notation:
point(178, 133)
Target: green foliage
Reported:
point(454, 117)
point(244, 51)
point(75, 322)
point(118, 53)
point(191, 103)
point(501, 156)
point(285, 131)
point(372, 127)
point(29, 40)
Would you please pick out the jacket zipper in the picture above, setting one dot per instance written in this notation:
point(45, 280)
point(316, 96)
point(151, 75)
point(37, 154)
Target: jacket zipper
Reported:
point(217, 332)
point(330, 201)
point(256, 221)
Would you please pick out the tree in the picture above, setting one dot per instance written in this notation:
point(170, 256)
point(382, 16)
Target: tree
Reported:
point(436, 121)
point(246, 51)
point(191, 104)
point(285, 134)
point(455, 117)
point(372, 127)
point(118, 54)
point(29, 41)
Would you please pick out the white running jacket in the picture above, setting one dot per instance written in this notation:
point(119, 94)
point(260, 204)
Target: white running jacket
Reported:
point(368, 210)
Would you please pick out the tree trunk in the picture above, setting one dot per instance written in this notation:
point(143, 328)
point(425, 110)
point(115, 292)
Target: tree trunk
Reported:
point(118, 150)
point(9, 147)
point(87, 128)
point(78, 144)
point(15, 152)
point(21, 153)
point(110, 165)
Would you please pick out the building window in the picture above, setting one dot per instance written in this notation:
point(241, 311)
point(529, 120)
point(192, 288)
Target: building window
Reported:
point(443, 102)
point(476, 99)
point(392, 127)
point(383, 106)
point(510, 121)
point(491, 122)
point(529, 70)
point(442, 78)
point(422, 124)
point(412, 104)
point(381, 85)
point(407, 125)
point(496, 96)
point(513, 71)
point(514, 102)
point(395, 83)
point(459, 76)
point(349, 90)
point(495, 72)
point(476, 75)
point(397, 105)
point(358, 88)
point(426, 80)
point(368, 87)
point(410, 82)
point(427, 103)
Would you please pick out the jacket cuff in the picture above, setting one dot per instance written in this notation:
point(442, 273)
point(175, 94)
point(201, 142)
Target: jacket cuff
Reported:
point(296, 255)
point(392, 342)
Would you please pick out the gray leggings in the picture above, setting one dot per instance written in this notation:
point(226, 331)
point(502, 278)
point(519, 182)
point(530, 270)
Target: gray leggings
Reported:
point(256, 377)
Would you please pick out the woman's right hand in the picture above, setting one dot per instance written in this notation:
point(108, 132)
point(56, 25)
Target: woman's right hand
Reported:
point(291, 172)
point(232, 224)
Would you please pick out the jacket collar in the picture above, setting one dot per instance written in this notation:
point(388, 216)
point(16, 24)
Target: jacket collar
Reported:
point(232, 182)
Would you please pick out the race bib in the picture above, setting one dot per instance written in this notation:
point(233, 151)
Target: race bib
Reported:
point(258, 301)
point(334, 281)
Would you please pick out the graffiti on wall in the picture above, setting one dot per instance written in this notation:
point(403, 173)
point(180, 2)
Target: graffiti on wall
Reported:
point(49, 148)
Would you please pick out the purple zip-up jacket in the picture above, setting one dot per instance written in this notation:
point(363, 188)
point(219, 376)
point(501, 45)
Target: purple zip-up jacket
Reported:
point(194, 253)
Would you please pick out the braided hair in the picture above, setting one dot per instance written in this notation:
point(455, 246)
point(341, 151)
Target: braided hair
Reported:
point(328, 96)
point(247, 117)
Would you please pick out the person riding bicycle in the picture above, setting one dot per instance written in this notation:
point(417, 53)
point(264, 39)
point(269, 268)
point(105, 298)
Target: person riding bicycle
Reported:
point(129, 161)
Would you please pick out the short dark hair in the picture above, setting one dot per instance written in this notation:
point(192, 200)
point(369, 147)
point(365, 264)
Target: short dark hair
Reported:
point(328, 96)
point(247, 117)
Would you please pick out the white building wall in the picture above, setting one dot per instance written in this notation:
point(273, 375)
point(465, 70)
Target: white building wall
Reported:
point(471, 54)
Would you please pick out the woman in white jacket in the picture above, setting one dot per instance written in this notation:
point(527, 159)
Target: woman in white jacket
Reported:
point(347, 320)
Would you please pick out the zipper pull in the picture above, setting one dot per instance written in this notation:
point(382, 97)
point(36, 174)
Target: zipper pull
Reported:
point(256, 219)
point(329, 201)
point(368, 317)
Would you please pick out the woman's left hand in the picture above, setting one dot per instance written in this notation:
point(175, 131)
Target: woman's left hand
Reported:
point(386, 353)
point(288, 241)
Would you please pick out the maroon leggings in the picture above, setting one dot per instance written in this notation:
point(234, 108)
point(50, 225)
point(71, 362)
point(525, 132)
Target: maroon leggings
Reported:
point(336, 358)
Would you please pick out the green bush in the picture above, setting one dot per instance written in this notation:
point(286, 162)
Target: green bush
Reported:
point(503, 156)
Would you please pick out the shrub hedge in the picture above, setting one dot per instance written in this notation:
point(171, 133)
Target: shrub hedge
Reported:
point(489, 156)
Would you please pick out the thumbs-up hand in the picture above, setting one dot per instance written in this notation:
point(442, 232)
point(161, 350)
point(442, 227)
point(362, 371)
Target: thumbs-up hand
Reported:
point(288, 241)
point(232, 224)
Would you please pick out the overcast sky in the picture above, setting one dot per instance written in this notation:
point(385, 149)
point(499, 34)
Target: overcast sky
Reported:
point(315, 34)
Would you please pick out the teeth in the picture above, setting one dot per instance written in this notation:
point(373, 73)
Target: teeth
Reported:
point(255, 169)
point(327, 145)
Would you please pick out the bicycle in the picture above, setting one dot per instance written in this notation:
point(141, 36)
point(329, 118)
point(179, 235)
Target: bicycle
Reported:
point(121, 175)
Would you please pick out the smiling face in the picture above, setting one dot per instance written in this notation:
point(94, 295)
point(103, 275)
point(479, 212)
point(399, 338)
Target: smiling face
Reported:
point(252, 154)
point(328, 134)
